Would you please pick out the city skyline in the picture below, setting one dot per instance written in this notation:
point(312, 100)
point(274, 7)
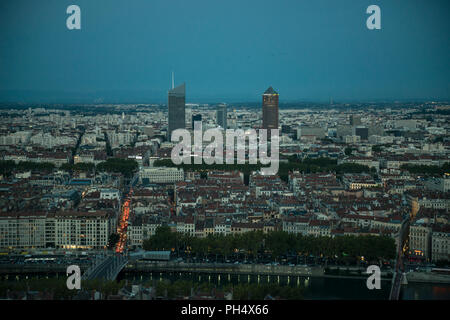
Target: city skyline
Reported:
point(308, 158)
point(351, 183)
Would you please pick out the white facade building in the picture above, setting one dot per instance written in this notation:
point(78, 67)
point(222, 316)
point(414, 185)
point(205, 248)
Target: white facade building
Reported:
point(161, 174)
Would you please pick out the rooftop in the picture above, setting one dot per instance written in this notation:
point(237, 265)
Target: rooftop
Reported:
point(270, 90)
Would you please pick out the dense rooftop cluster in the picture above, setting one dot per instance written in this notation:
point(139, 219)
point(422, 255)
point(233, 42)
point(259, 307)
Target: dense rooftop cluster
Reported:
point(344, 170)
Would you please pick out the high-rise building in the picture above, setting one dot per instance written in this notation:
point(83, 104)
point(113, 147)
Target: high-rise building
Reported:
point(270, 109)
point(363, 132)
point(355, 120)
point(177, 105)
point(196, 117)
point(221, 116)
point(344, 130)
point(316, 131)
point(188, 115)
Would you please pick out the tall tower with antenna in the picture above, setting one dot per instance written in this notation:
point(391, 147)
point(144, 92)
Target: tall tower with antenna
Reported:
point(177, 108)
point(173, 80)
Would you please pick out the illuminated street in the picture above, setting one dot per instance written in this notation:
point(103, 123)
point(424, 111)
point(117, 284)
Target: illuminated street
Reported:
point(123, 223)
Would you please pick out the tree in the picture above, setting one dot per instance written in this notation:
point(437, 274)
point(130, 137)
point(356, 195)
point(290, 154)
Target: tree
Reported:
point(377, 148)
point(78, 167)
point(164, 239)
point(6, 167)
point(278, 243)
point(125, 166)
point(427, 170)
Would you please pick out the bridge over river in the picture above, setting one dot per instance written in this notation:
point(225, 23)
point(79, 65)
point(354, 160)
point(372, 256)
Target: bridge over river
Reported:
point(106, 267)
point(402, 250)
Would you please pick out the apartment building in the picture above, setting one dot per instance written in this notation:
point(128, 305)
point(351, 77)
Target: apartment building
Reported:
point(440, 243)
point(161, 175)
point(22, 230)
point(65, 229)
point(420, 239)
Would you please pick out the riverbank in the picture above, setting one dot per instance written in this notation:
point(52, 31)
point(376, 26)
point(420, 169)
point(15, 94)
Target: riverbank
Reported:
point(253, 269)
point(247, 269)
point(280, 270)
point(238, 269)
point(428, 277)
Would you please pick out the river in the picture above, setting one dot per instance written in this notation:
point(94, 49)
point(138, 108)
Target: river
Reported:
point(314, 288)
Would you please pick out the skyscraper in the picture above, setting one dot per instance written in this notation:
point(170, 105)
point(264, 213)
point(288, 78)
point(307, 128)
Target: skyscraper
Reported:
point(221, 116)
point(361, 131)
point(355, 120)
point(177, 104)
point(270, 109)
point(188, 115)
point(196, 117)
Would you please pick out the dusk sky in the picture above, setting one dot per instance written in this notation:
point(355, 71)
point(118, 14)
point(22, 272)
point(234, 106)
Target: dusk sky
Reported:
point(224, 50)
